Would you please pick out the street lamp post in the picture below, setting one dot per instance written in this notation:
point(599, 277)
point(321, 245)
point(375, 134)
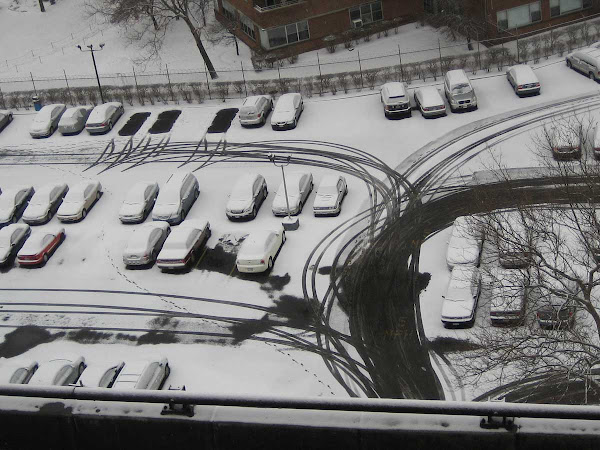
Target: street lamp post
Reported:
point(289, 224)
point(92, 50)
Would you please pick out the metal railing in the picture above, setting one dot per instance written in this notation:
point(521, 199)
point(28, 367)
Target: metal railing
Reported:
point(282, 4)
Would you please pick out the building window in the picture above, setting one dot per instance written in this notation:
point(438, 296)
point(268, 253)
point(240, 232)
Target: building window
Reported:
point(228, 11)
point(288, 34)
point(519, 16)
point(247, 26)
point(429, 6)
point(559, 7)
point(366, 14)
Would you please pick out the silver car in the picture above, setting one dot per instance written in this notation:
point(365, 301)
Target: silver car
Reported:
point(145, 244)
point(44, 203)
point(98, 375)
point(17, 372)
point(13, 202)
point(150, 375)
point(46, 120)
point(139, 202)
point(103, 117)
point(73, 120)
point(287, 111)
point(255, 110)
point(12, 239)
point(523, 80)
point(430, 102)
point(59, 372)
point(6, 117)
point(299, 186)
point(176, 198)
point(330, 195)
point(586, 61)
point(248, 194)
point(79, 200)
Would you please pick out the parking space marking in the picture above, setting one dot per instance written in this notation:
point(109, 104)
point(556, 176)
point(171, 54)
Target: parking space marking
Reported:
point(201, 256)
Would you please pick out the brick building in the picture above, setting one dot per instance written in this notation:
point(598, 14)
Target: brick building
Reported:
point(296, 26)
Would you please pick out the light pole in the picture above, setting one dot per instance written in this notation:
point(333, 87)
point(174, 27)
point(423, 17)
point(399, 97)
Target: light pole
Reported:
point(291, 223)
point(92, 50)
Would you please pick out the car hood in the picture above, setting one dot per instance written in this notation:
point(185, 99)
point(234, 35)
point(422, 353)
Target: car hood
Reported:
point(238, 204)
point(67, 122)
point(4, 252)
point(462, 255)
point(250, 256)
point(165, 210)
point(6, 214)
point(457, 309)
point(38, 127)
point(279, 201)
point(35, 211)
point(325, 201)
point(282, 116)
point(173, 253)
point(135, 250)
point(70, 208)
point(131, 209)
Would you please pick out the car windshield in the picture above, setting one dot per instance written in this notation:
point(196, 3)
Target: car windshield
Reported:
point(241, 192)
point(327, 191)
point(134, 197)
point(460, 88)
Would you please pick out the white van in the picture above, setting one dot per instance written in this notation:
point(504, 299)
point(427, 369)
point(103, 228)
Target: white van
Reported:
point(459, 91)
point(586, 62)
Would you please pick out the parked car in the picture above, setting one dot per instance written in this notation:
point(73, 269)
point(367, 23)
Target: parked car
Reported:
point(508, 296)
point(58, 372)
point(79, 200)
point(557, 307)
point(514, 240)
point(13, 202)
point(103, 117)
point(596, 143)
point(45, 203)
point(330, 195)
point(149, 374)
point(466, 241)
point(430, 102)
point(459, 91)
point(523, 80)
point(6, 117)
point(73, 120)
point(564, 139)
point(462, 295)
point(586, 61)
point(145, 244)
point(287, 111)
point(299, 186)
point(395, 99)
point(259, 250)
point(176, 198)
point(247, 196)
point(17, 372)
point(40, 246)
point(181, 247)
point(46, 120)
point(100, 375)
point(138, 202)
point(12, 239)
point(255, 110)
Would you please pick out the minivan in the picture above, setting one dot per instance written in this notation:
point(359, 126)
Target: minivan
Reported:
point(176, 198)
point(586, 62)
point(255, 110)
point(459, 91)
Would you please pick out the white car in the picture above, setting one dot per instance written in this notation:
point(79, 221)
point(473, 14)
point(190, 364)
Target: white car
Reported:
point(46, 120)
point(150, 374)
point(259, 250)
point(330, 194)
point(523, 80)
point(13, 202)
point(79, 200)
point(466, 241)
point(287, 111)
point(97, 375)
point(12, 239)
point(462, 295)
point(299, 186)
point(176, 198)
point(247, 196)
point(73, 120)
point(255, 110)
point(103, 117)
point(44, 203)
point(564, 140)
point(145, 244)
point(395, 99)
point(430, 102)
point(58, 372)
point(180, 248)
point(17, 372)
point(6, 117)
point(508, 296)
point(139, 202)
point(40, 246)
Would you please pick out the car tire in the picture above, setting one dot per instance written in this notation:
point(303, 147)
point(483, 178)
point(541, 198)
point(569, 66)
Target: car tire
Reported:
point(196, 194)
point(83, 213)
point(270, 263)
point(110, 126)
point(254, 212)
point(45, 259)
point(592, 76)
point(283, 237)
point(300, 207)
point(295, 123)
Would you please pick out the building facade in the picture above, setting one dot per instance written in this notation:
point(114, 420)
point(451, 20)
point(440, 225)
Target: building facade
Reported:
point(297, 26)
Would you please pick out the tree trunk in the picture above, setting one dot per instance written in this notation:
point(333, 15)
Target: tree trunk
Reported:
point(237, 47)
point(154, 22)
point(198, 39)
point(42, 6)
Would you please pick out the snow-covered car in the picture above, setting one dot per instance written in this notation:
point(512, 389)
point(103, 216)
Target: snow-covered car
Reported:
point(40, 246)
point(44, 203)
point(255, 110)
point(17, 372)
point(430, 102)
point(556, 304)
point(459, 91)
point(6, 117)
point(287, 111)
point(462, 295)
point(259, 250)
point(564, 139)
point(586, 61)
point(13, 202)
point(523, 80)
point(145, 244)
point(181, 247)
point(138, 202)
point(299, 186)
point(149, 374)
point(73, 120)
point(12, 239)
point(466, 241)
point(176, 198)
point(514, 240)
point(58, 372)
point(395, 99)
point(248, 194)
point(103, 117)
point(596, 143)
point(508, 296)
point(79, 200)
point(100, 375)
point(46, 120)
point(330, 195)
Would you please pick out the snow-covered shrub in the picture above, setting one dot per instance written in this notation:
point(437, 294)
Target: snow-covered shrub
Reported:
point(446, 64)
point(357, 80)
point(418, 70)
point(323, 82)
point(348, 43)
point(141, 93)
point(259, 87)
point(155, 94)
point(63, 96)
point(386, 74)
point(92, 96)
point(292, 59)
point(536, 49)
point(238, 87)
point(522, 51)
point(14, 101)
point(559, 47)
point(79, 95)
point(127, 92)
point(432, 68)
point(308, 86)
point(51, 95)
point(585, 31)
point(462, 62)
point(367, 37)
point(505, 58)
point(185, 92)
point(2, 101)
point(331, 47)
point(371, 77)
point(343, 82)
point(333, 86)
point(572, 36)
point(283, 85)
point(547, 45)
point(198, 92)
point(223, 89)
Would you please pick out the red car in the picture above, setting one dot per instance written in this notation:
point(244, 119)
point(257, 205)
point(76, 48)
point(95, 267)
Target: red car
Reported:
point(40, 246)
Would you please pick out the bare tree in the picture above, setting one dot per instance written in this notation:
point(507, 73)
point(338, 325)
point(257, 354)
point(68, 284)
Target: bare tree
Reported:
point(147, 22)
point(224, 32)
point(454, 21)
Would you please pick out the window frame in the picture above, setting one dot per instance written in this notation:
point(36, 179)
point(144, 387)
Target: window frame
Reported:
point(371, 13)
point(554, 14)
point(298, 33)
point(502, 20)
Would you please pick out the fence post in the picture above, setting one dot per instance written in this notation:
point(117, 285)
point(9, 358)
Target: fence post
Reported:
point(362, 84)
point(478, 51)
point(169, 80)
point(279, 71)
point(518, 56)
point(68, 88)
point(135, 80)
point(207, 82)
point(400, 58)
point(33, 82)
point(320, 76)
point(244, 78)
point(2, 104)
point(440, 50)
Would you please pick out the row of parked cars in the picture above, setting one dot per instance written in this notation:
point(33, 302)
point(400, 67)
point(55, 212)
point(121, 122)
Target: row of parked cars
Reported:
point(149, 374)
